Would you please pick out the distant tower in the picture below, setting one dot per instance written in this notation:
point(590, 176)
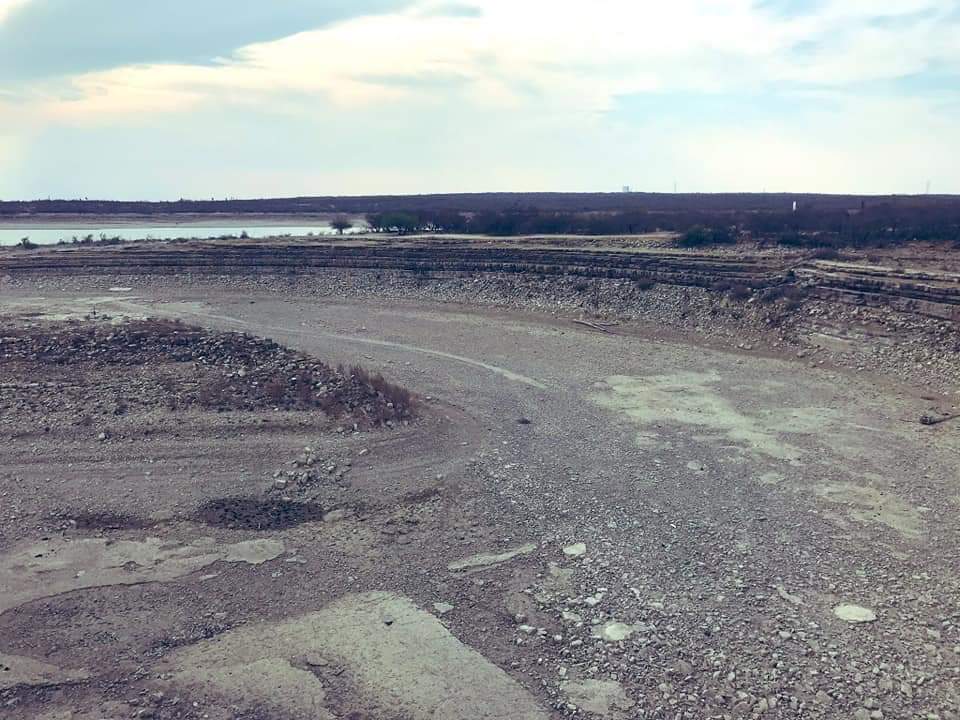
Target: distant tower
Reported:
point(626, 188)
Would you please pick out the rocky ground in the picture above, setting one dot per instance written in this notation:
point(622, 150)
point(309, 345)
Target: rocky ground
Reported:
point(714, 515)
point(791, 321)
point(82, 370)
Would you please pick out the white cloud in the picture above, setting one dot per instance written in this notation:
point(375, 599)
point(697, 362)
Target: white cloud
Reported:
point(520, 92)
point(575, 56)
point(6, 6)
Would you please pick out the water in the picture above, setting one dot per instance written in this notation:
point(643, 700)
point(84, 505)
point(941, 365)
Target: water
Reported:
point(51, 235)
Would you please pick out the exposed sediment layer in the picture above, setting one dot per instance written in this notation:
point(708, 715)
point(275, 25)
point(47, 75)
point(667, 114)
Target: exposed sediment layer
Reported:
point(927, 292)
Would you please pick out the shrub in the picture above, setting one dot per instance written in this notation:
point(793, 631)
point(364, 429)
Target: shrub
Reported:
point(699, 235)
point(400, 398)
point(398, 222)
point(695, 236)
point(341, 224)
point(25, 244)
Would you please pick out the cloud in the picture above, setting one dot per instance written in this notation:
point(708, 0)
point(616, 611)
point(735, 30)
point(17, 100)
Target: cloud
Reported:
point(450, 9)
point(419, 81)
point(44, 38)
point(7, 6)
point(428, 95)
point(514, 55)
point(402, 55)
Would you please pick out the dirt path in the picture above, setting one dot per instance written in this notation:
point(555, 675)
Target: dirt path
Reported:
point(606, 525)
point(301, 333)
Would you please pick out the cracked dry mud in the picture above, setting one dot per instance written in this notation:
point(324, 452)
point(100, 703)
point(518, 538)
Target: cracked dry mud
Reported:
point(630, 525)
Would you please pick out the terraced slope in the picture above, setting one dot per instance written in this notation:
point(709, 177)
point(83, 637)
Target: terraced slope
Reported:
point(926, 292)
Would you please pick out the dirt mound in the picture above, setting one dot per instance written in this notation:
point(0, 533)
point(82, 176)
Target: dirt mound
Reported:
point(99, 368)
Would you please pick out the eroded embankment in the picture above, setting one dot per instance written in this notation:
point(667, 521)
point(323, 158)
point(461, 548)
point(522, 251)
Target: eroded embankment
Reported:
point(927, 292)
point(867, 316)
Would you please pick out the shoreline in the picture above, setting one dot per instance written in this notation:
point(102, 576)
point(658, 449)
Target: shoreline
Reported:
point(53, 222)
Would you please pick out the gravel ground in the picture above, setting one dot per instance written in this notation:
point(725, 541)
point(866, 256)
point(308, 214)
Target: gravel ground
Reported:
point(906, 346)
point(650, 522)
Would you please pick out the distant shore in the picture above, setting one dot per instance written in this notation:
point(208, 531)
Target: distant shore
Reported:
point(238, 221)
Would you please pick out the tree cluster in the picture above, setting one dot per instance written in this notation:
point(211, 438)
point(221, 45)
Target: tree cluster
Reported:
point(806, 227)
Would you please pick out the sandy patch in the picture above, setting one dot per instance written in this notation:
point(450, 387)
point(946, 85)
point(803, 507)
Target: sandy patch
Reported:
point(695, 400)
point(870, 505)
point(60, 309)
point(398, 661)
point(601, 698)
point(17, 671)
point(55, 566)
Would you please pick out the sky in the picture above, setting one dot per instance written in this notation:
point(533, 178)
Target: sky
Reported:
point(270, 98)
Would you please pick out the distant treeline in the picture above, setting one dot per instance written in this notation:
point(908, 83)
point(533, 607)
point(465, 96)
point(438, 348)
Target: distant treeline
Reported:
point(488, 202)
point(874, 225)
point(701, 219)
point(815, 227)
point(530, 221)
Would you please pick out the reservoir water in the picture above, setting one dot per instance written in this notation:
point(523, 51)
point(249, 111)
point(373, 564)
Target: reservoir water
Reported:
point(52, 234)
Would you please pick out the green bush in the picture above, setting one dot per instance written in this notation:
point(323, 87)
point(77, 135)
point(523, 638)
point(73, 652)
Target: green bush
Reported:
point(699, 235)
